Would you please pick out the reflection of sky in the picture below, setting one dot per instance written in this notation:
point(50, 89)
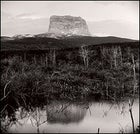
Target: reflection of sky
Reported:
point(116, 118)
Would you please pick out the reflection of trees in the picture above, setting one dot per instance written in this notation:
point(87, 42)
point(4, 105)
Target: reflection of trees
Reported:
point(37, 118)
point(56, 112)
point(65, 113)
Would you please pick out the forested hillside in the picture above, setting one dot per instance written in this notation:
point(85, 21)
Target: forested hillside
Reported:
point(35, 43)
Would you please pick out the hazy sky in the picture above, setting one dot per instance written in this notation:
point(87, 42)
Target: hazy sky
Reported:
point(116, 18)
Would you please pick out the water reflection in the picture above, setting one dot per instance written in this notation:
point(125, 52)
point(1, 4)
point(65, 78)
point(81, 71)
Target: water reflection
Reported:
point(73, 117)
point(65, 113)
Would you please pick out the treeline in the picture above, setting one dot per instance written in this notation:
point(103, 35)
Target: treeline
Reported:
point(106, 54)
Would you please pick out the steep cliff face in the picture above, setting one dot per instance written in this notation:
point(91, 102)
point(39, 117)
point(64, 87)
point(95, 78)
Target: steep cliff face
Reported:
point(68, 25)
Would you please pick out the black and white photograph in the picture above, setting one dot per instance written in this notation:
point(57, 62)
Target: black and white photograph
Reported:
point(69, 67)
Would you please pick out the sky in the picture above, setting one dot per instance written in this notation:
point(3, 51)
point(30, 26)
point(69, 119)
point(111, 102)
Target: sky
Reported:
point(104, 18)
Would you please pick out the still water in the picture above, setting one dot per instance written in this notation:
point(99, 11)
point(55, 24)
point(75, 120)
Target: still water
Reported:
point(65, 117)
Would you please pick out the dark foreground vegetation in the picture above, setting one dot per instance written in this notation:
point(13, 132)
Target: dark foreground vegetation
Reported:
point(34, 78)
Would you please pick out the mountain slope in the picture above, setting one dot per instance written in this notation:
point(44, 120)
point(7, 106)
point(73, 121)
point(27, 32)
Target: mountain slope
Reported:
point(35, 43)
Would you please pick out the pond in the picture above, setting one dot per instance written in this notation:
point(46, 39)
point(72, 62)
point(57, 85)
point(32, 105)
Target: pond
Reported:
point(68, 117)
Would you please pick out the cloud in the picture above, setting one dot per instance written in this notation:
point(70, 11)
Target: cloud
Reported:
point(29, 16)
point(24, 14)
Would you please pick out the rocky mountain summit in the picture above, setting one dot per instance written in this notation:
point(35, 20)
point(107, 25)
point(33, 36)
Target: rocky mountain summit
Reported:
point(68, 25)
point(21, 36)
point(61, 27)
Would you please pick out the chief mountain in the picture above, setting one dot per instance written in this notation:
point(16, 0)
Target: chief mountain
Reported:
point(63, 32)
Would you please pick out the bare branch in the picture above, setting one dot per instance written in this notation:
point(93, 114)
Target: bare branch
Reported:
point(6, 87)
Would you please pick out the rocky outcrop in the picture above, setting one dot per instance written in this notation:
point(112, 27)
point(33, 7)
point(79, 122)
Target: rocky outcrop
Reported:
point(68, 25)
point(21, 36)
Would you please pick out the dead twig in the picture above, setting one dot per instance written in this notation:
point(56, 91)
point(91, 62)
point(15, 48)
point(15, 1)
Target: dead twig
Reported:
point(4, 108)
point(5, 96)
point(98, 130)
point(131, 115)
point(6, 87)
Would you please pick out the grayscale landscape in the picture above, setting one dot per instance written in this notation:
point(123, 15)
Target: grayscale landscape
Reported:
point(69, 67)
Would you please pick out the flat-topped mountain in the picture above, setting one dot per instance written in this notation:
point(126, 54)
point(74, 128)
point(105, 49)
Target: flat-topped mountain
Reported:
point(68, 25)
point(61, 27)
point(63, 32)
